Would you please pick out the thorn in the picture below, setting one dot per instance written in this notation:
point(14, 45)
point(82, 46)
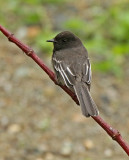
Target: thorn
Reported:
point(115, 135)
point(29, 52)
point(10, 36)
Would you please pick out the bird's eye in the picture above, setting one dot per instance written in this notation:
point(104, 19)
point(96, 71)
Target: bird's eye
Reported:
point(64, 40)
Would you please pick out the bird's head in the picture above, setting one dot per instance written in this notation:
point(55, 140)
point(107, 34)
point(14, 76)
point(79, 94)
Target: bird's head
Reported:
point(65, 40)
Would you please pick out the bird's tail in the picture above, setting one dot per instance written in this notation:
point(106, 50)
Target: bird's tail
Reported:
point(87, 104)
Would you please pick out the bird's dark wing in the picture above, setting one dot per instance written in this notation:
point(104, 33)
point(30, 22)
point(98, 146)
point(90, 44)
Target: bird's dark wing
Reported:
point(70, 71)
point(62, 69)
point(87, 71)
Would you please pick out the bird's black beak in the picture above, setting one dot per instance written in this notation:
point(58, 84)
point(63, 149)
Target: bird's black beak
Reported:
point(51, 40)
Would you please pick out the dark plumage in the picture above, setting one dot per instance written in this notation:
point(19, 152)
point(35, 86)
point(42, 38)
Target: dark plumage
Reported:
point(72, 68)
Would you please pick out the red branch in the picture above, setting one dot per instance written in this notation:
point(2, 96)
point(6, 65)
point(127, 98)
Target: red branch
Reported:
point(29, 52)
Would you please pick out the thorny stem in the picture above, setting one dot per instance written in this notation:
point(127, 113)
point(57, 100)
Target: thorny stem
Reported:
point(29, 52)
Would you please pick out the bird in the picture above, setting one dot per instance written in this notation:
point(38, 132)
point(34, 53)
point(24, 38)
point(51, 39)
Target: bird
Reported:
point(72, 68)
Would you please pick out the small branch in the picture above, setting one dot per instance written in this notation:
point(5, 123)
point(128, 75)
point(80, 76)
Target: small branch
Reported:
point(29, 52)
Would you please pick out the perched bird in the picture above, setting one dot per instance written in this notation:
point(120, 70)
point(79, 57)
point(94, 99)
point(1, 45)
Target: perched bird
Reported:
point(72, 68)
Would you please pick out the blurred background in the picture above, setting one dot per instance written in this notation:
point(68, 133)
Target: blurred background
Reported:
point(38, 121)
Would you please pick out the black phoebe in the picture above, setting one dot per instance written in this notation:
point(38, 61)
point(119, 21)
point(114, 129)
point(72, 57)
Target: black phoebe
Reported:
point(72, 68)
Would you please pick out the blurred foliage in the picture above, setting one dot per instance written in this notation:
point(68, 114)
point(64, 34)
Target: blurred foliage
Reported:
point(102, 25)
